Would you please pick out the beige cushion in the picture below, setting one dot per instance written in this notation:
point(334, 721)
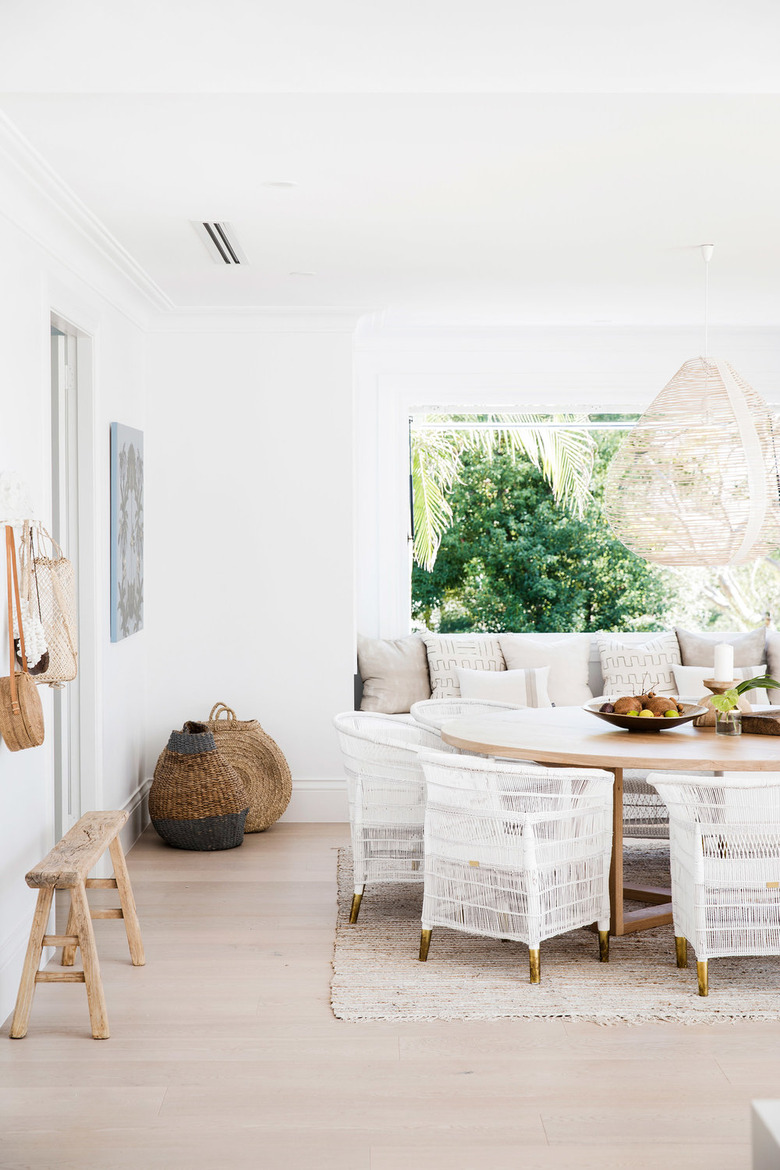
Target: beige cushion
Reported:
point(773, 661)
point(525, 688)
point(699, 649)
point(446, 652)
point(394, 673)
point(632, 668)
point(568, 660)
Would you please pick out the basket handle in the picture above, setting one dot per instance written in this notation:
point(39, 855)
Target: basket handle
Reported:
point(220, 709)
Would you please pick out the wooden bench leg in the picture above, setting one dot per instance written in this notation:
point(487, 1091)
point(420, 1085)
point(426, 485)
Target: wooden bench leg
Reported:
point(31, 963)
point(89, 957)
point(69, 953)
point(130, 914)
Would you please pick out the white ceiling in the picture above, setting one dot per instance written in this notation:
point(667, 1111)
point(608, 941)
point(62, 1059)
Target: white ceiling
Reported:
point(407, 46)
point(561, 206)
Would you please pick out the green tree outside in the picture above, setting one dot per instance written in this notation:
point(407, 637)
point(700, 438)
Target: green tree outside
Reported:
point(514, 559)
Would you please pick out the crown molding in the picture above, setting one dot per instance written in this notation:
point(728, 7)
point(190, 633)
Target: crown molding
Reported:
point(247, 319)
point(34, 169)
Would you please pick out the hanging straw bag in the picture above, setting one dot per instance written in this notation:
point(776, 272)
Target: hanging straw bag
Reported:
point(49, 588)
point(21, 713)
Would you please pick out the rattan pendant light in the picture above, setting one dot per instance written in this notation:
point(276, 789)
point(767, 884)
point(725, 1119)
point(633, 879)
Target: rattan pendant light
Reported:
point(696, 480)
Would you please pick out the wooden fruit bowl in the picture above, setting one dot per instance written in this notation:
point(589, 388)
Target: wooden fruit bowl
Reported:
point(639, 722)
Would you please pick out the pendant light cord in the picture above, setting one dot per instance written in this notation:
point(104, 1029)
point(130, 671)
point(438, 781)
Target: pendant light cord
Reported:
point(706, 251)
point(706, 309)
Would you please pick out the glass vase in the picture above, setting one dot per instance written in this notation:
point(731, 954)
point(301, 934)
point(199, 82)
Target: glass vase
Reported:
point(728, 722)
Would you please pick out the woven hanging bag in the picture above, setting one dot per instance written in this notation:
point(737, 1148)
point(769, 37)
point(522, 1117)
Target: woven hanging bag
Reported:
point(259, 762)
point(21, 712)
point(196, 800)
point(48, 585)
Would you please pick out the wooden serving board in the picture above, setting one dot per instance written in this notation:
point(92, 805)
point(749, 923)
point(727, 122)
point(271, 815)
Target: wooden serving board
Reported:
point(762, 723)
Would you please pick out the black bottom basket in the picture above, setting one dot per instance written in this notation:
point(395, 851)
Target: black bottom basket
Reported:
point(197, 800)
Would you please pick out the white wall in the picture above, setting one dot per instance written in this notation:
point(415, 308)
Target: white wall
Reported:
point(250, 559)
point(48, 263)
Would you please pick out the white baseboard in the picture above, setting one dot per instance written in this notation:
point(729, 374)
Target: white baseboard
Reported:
point(12, 952)
point(312, 800)
point(137, 805)
point(318, 800)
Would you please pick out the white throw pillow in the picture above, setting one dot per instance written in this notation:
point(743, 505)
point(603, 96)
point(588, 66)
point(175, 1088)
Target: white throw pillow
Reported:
point(690, 682)
point(446, 652)
point(567, 658)
point(633, 668)
point(526, 688)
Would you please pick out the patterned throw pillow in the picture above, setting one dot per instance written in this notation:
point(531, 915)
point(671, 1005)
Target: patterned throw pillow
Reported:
point(446, 652)
point(632, 668)
point(524, 688)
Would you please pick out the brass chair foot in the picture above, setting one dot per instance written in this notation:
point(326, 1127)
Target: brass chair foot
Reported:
point(425, 942)
point(355, 907)
point(604, 946)
point(535, 965)
point(704, 986)
point(681, 947)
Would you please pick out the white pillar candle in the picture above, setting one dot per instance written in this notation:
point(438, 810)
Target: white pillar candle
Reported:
point(724, 662)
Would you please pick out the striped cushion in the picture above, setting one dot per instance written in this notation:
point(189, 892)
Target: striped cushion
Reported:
point(526, 688)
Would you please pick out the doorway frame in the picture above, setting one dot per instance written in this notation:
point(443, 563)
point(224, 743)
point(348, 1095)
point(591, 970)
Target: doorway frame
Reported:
point(62, 313)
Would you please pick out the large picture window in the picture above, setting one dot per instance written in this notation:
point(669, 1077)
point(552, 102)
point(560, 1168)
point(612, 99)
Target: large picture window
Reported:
point(509, 534)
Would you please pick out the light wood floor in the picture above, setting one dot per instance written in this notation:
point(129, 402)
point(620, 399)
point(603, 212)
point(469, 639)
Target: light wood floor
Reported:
point(224, 1053)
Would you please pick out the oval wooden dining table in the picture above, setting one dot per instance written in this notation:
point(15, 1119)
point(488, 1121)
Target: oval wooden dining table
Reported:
point(572, 737)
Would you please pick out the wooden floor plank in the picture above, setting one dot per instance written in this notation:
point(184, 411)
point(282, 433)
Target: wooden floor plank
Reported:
point(224, 1051)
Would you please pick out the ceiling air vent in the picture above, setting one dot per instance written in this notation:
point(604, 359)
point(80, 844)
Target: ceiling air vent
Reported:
point(221, 243)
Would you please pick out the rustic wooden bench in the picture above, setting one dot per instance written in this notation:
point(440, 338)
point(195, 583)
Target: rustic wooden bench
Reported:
point(66, 868)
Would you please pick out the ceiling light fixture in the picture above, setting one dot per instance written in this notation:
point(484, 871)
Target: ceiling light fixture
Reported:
point(696, 480)
point(301, 272)
point(280, 183)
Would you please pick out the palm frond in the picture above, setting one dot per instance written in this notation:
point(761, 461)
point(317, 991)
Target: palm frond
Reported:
point(435, 465)
point(564, 456)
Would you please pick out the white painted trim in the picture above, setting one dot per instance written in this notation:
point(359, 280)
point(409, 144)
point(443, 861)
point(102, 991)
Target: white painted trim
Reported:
point(26, 159)
point(12, 952)
point(247, 319)
point(137, 805)
point(318, 800)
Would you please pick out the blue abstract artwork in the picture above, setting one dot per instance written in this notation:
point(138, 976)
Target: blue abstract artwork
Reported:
point(127, 531)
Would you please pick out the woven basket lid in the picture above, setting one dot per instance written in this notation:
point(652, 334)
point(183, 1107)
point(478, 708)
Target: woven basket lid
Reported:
point(259, 762)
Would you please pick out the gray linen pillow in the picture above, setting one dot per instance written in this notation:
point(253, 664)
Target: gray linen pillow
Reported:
point(699, 649)
point(394, 673)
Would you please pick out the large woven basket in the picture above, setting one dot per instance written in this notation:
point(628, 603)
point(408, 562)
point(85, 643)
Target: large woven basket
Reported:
point(259, 762)
point(196, 800)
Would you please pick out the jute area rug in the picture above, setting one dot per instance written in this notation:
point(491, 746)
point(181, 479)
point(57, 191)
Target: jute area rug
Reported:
point(377, 975)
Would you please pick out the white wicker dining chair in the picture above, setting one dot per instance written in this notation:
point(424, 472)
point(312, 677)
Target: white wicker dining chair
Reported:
point(434, 713)
point(724, 845)
point(386, 791)
point(515, 852)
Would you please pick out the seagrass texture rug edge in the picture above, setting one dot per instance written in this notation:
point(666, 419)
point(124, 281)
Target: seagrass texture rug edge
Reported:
point(377, 975)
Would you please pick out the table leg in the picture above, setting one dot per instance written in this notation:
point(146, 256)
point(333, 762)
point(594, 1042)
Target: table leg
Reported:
point(622, 921)
point(616, 865)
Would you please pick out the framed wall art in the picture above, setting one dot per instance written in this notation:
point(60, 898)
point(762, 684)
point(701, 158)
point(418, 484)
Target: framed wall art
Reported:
point(127, 531)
